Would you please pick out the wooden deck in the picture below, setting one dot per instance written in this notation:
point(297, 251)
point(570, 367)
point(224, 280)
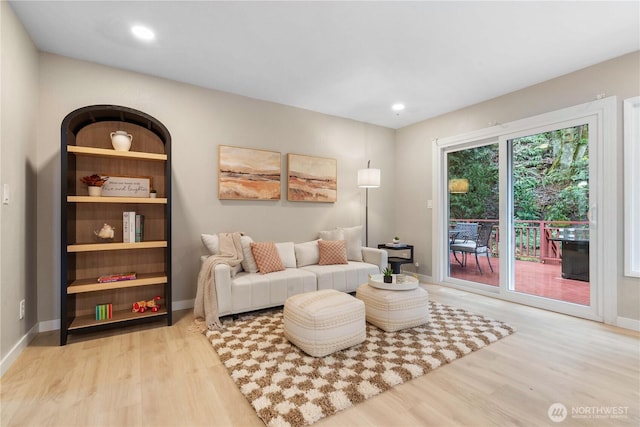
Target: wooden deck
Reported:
point(534, 278)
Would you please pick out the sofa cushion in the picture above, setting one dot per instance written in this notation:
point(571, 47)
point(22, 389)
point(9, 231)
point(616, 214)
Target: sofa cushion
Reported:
point(307, 253)
point(248, 263)
point(342, 277)
point(266, 256)
point(332, 252)
point(210, 241)
point(255, 291)
point(353, 240)
point(287, 254)
point(336, 234)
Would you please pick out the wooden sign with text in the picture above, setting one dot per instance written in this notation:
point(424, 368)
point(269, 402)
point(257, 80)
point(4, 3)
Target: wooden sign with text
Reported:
point(127, 186)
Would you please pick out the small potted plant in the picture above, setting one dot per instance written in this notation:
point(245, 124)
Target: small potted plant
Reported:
point(396, 240)
point(94, 183)
point(153, 193)
point(388, 275)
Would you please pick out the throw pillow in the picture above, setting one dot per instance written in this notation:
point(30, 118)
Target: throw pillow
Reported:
point(332, 252)
point(210, 241)
point(353, 240)
point(336, 234)
point(307, 253)
point(248, 263)
point(266, 256)
point(287, 254)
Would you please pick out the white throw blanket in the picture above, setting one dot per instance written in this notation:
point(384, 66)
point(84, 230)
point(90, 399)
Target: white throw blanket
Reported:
point(206, 304)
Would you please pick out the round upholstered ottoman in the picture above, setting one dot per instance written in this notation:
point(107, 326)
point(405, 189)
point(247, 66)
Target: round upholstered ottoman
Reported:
point(323, 322)
point(394, 310)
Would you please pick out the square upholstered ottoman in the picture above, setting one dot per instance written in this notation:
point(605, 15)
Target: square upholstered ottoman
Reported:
point(323, 322)
point(394, 310)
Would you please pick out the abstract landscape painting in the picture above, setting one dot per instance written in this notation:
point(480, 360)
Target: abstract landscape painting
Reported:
point(248, 174)
point(312, 179)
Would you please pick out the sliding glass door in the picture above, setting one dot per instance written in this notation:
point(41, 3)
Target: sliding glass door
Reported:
point(473, 214)
point(549, 199)
point(517, 214)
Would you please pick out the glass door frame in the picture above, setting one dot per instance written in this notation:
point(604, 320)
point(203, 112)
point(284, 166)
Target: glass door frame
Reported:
point(601, 115)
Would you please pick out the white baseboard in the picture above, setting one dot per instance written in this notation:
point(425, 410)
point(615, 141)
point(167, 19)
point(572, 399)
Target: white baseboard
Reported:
point(182, 305)
point(17, 349)
point(423, 278)
point(49, 325)
point(625, 322)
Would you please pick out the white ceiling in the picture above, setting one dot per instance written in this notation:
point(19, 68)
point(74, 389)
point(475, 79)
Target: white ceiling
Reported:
point(348, 59)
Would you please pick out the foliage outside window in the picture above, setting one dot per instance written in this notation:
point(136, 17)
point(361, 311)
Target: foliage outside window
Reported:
point(550, 178)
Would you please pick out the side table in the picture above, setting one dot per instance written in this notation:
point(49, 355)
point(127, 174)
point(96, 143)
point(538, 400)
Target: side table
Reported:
point(397, 261)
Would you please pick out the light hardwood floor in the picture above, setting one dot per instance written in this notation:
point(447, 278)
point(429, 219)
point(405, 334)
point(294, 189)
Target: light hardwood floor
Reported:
point(169, 376)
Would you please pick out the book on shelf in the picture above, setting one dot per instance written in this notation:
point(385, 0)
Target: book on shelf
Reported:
point(104, 311)
point(128, 227)
point(116, 277)
point(139, 228)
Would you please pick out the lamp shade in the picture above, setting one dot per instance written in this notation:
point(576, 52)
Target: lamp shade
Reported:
point(458, 185)
point(369, 178)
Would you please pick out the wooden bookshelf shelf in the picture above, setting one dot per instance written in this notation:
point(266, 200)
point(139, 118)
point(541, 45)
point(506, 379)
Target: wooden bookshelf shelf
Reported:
point(103, 152)
point(91, 247)
point(89, 321)
point(92, 285)
point(88, 199)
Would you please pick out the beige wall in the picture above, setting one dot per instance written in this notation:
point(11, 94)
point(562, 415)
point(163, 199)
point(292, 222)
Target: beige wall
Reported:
point(619, 77)
point(199, 120)
point(18, 109)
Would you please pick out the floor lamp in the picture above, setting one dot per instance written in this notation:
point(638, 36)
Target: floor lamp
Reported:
point(368, 178)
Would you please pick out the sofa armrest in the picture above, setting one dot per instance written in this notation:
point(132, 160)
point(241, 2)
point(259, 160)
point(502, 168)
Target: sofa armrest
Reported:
point(375, 256)
point(222, 277)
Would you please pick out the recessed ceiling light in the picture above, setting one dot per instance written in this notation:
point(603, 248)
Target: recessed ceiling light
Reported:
point(143, 33)
point(397, 107)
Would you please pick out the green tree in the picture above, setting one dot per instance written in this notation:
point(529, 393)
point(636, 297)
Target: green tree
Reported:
point(480, 166)
point(550, 177)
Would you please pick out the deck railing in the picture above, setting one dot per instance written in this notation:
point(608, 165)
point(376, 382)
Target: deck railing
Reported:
point(533, 239)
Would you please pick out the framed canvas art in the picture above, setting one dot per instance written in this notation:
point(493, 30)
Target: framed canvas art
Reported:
point(311, 179)
point(248, 174)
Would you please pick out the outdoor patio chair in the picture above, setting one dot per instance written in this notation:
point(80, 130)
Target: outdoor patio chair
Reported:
point(464, 232)
point(478, 246)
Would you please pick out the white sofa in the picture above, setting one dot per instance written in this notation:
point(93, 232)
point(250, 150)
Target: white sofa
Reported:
point(245, 289)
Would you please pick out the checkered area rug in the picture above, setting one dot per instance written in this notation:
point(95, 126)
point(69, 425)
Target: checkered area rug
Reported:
point(286, 387)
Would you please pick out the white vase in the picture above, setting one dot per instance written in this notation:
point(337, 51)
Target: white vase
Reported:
point(121, 140)
point(153, 195)
point(94, 191)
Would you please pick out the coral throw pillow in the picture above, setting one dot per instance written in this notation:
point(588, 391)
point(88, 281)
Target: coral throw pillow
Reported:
point(332, 252)
point(266, 256)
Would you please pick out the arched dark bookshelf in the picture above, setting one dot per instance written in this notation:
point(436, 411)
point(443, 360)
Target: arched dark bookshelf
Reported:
point(86, 258)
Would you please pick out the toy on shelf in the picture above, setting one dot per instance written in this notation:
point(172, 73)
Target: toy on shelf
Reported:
point(142, 306)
